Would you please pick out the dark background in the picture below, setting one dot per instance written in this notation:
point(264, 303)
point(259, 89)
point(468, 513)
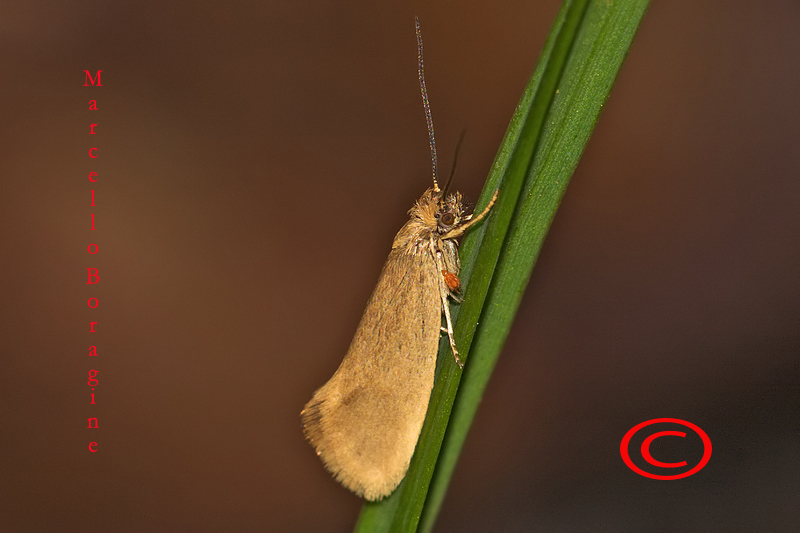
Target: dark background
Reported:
point(256, 160)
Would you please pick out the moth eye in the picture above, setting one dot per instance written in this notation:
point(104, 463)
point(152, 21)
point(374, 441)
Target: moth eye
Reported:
point(448, 219)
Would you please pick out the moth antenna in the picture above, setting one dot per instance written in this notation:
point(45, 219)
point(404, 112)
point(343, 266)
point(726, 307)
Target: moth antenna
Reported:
point(426, 104)
point(455, 161)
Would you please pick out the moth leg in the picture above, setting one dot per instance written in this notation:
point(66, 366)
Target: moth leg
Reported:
point(444, 293)
point(446, 307)
point(448, 252)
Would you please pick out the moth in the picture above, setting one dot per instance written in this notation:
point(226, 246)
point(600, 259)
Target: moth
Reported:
point(365, 421)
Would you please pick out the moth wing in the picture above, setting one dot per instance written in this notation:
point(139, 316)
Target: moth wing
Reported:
point(365, 421)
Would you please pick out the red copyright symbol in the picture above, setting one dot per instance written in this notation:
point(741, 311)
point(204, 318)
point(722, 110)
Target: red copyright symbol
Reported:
point(623, 448)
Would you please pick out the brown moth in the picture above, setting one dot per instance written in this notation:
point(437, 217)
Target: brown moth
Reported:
point(365, 421)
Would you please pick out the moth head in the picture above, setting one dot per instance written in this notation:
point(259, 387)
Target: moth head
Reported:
point(450, 213)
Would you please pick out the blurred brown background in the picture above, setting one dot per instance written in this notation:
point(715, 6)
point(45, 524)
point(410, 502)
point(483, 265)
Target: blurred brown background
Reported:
point(257, 159)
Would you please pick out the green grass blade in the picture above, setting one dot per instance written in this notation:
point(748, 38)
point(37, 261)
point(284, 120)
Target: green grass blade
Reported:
point(546, 137)
point(605, 34)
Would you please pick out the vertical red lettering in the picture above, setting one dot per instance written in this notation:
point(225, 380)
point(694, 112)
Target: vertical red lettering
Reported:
point(93, 274)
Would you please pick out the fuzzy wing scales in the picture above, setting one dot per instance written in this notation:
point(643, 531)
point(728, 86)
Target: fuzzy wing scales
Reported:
point(364, 423)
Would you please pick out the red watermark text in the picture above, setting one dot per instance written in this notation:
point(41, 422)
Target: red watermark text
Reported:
point(647, 456)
